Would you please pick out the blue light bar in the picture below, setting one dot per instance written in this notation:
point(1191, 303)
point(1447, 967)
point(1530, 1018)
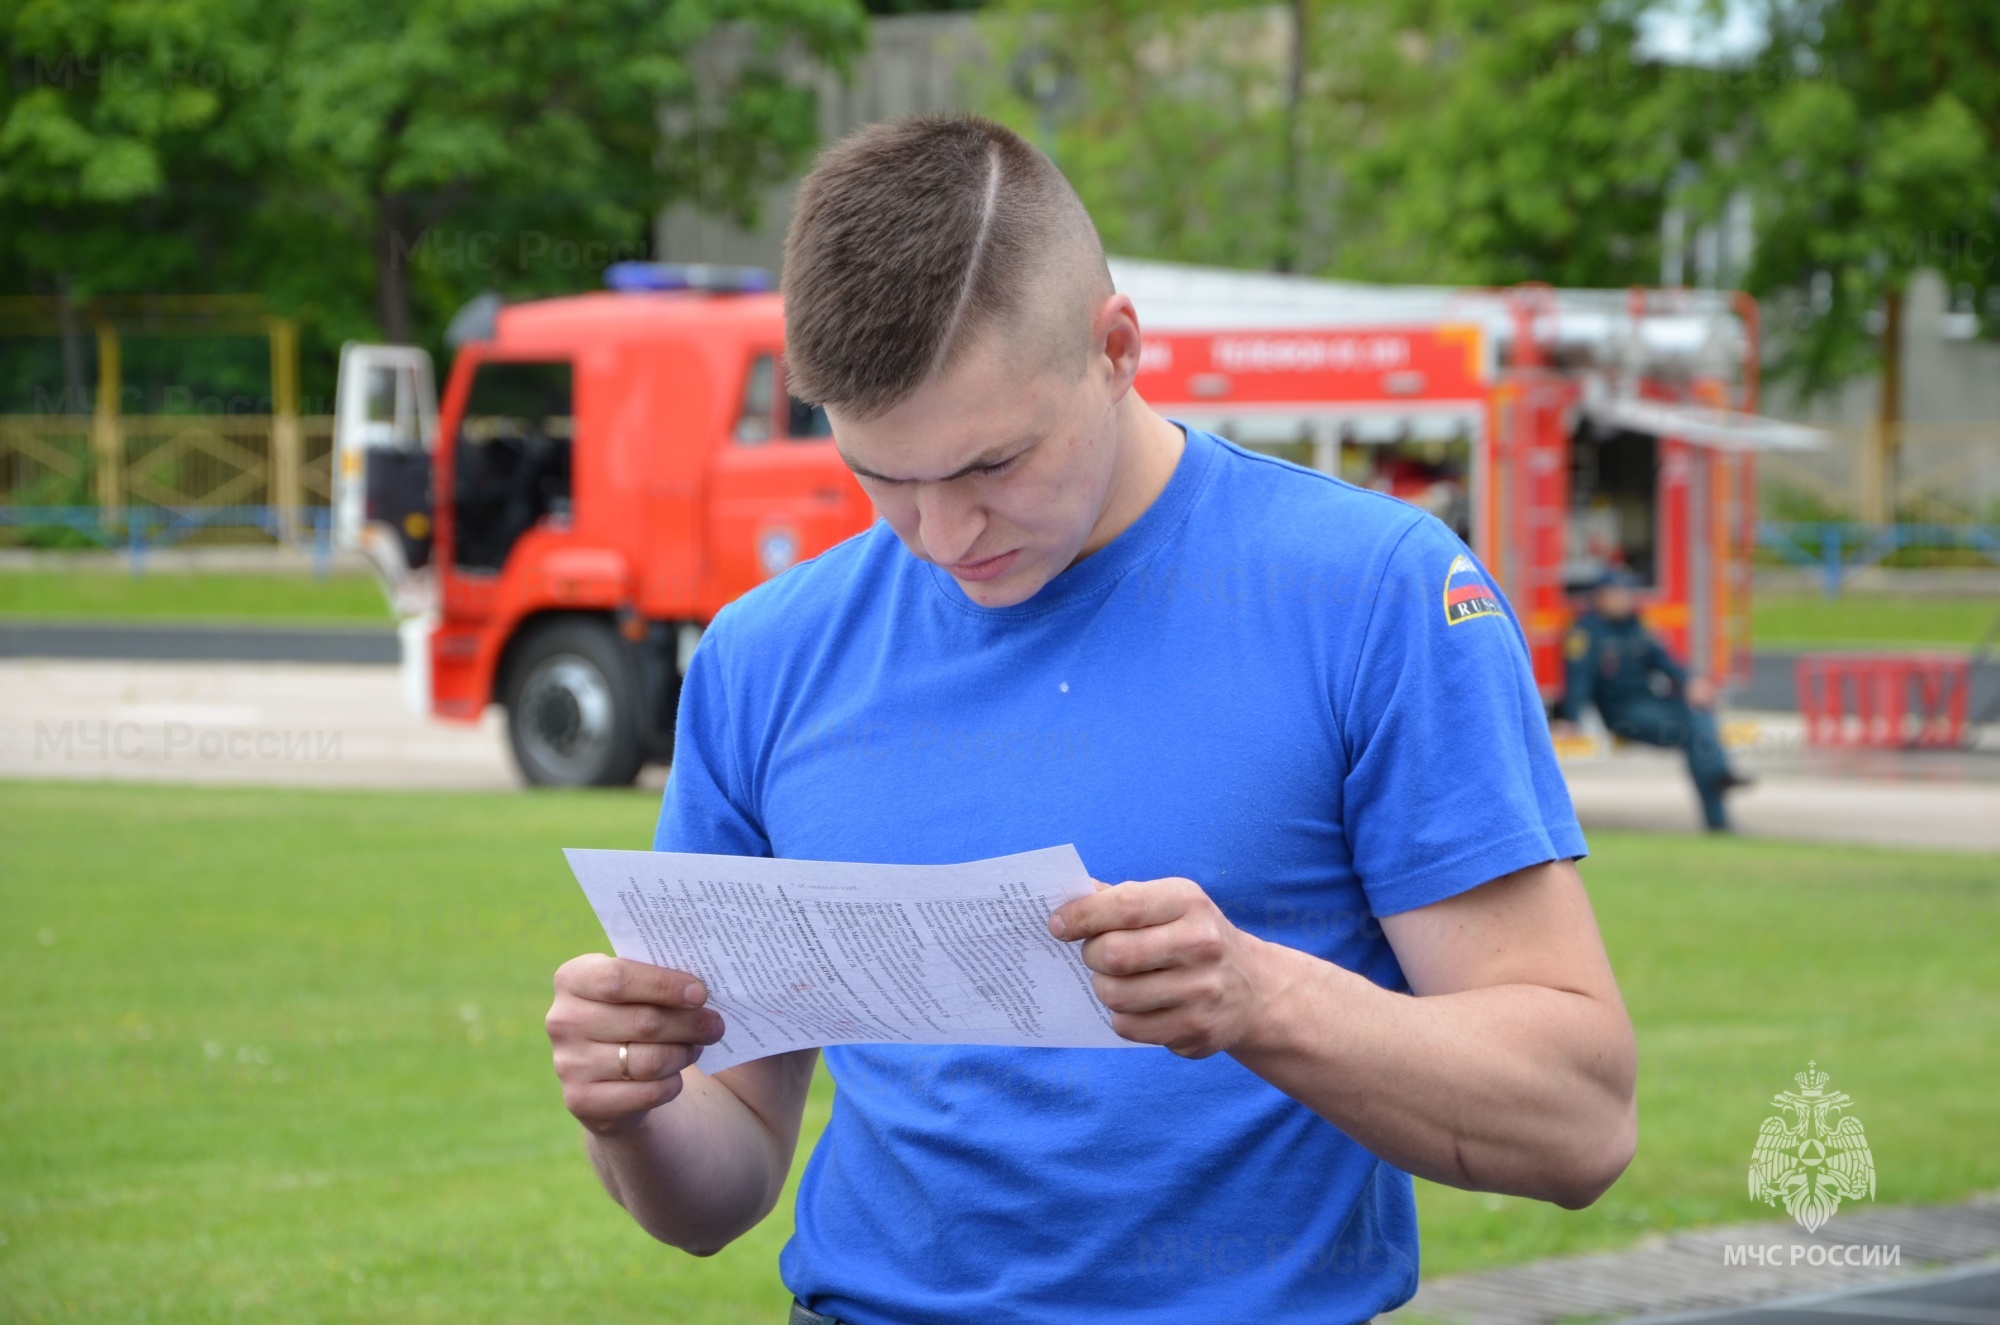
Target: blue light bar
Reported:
point(646, 277)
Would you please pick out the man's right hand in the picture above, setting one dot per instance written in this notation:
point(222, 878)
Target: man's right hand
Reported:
point(605, 1002)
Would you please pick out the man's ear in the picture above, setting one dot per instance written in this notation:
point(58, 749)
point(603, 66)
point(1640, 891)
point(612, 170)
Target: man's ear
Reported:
point(1115, 338)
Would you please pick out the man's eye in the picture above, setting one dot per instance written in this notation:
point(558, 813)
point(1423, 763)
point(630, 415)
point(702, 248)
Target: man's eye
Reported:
point(1001, 468)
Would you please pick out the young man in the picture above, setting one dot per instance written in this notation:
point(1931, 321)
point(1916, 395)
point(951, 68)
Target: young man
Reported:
point(1239, 687)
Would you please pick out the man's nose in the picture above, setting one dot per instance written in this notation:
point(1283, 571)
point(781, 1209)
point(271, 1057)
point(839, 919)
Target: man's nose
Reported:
point(947, 522)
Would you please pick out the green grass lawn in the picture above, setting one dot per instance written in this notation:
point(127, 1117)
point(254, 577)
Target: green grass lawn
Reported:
point(1868, 620)
point(1779, 621)
point(188, 596)
point(277, 1055)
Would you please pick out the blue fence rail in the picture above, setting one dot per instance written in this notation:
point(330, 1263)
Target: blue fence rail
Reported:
point(138, 530)
point(1836, 547)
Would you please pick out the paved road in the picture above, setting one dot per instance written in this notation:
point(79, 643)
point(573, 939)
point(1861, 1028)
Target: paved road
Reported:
point(1772, 687)
point(198, 643)
point(1960, 1297)
point(283, 724)
point(1768, 1273)
point(1889, 803)
point(320, 724)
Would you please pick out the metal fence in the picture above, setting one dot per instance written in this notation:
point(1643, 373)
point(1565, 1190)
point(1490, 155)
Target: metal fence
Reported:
point(1943, 473)
point(140, 530)
point(163, 467)
point(1835, 547)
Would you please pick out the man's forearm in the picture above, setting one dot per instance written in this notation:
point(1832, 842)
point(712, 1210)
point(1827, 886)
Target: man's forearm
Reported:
point(1511, 1088)
point(704, 1168)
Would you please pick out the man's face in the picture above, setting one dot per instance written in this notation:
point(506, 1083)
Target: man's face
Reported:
point(998, 470)
point(1615, 602)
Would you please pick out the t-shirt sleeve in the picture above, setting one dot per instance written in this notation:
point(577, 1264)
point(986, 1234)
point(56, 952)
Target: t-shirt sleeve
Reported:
point(706, 807)
point(1452, 779)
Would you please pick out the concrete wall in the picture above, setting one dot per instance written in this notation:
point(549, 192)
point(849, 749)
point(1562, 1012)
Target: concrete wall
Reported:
point(1945, 380)
point(915, 64)
point(1949, 466)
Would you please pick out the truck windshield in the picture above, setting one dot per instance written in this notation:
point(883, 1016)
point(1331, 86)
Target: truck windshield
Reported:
point(511, 467)
point(769, 412)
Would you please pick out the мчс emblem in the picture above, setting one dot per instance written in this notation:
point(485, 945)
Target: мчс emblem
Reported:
point(1466, 593)
point(1814, 1159)
point(777, 549)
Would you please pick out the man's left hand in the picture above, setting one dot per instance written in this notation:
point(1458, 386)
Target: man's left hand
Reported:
point(1168, 964)
point(1700, 693)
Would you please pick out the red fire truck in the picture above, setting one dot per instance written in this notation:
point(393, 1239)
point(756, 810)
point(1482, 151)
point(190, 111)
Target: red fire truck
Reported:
point(1561, 432)
point(606, 471)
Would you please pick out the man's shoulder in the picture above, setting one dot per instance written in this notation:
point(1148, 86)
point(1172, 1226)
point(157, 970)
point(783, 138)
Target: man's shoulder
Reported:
point(1299, 526)
point(1300, 509)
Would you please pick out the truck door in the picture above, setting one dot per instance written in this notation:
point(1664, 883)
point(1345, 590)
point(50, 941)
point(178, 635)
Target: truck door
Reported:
point(1524, 536)
point(384, 436)
point(1708, 499)
point(778, 491)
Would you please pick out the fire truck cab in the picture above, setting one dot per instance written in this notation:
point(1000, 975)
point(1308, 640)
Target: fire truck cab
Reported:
point(605, 472)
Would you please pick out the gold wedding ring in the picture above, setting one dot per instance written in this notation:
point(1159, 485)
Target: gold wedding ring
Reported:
point(625, 1061)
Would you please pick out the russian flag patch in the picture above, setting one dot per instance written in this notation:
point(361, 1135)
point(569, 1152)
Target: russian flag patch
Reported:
point(1466, 593)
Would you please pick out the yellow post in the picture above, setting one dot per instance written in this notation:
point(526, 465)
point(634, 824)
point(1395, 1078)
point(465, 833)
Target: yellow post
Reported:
point(1879, 505)
point(287, 441)
point(1877, 467)
point(107, 440)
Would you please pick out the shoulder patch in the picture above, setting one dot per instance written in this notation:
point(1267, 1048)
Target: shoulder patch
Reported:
point(1576, 644)
point(1466, 593)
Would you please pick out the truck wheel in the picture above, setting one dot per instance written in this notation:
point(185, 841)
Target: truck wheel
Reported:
point(572, 707)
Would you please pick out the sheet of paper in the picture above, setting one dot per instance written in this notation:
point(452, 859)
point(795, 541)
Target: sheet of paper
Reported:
point(800, 953)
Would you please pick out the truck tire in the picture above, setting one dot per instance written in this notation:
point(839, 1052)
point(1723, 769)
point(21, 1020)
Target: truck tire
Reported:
point(572, 706)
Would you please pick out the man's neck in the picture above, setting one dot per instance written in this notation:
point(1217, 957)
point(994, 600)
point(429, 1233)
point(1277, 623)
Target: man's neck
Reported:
point(1148, 450)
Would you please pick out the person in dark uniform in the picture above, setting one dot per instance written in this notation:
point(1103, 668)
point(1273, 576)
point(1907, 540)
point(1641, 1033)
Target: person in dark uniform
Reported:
point(1643, 692)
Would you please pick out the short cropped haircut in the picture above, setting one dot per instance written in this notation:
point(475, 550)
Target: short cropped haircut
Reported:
point(909, 239)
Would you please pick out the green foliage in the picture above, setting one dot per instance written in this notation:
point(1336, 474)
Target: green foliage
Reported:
point(1872, 150)
point(1515, 143)
point(1174, 118)
point(370, 166)
point(920, 6)
point(128, 134)
point(536, 125)
point(1438, 141)
point(1490, 142)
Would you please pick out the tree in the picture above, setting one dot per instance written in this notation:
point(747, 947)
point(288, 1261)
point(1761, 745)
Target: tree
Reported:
point(1475, 141)
point(1874, 152)
point(1508, 142)
point(538, 125)
point(370, 166)
point(130, 135)
point(1195, 131)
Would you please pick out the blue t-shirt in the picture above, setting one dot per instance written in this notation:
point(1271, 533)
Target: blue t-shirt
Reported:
point(1302, 695)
